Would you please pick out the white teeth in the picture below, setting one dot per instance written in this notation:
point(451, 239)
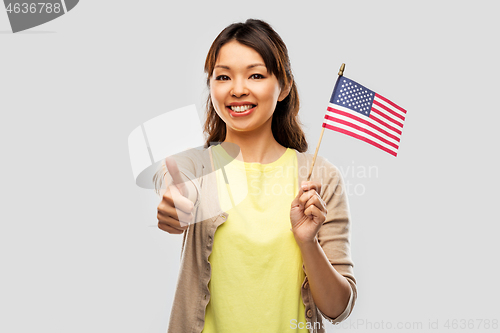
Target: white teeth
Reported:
point(241, 108)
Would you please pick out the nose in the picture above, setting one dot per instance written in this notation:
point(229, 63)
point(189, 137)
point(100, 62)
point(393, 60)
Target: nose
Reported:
point(239, 88)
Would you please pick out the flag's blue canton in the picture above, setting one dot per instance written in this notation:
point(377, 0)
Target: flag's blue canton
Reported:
point(353, 96)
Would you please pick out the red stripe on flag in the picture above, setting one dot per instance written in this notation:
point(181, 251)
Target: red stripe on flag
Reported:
point(361, 120)
point(359, 128)
point(380, 121)
point(362, 138)
point(380, 113)
point(389, 110)
point(391, 103)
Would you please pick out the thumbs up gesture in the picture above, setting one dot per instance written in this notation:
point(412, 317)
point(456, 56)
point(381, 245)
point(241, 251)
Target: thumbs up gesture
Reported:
point(175, 210)
point(308, 212)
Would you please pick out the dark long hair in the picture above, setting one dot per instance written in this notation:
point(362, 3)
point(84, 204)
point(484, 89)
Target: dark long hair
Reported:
point(261, 37)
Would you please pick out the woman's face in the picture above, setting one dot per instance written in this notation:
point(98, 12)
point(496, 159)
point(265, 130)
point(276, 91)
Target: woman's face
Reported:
point(243, 93)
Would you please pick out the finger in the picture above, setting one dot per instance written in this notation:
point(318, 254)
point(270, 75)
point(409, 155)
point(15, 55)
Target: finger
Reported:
point(184, 218)
point(306, 196)
point(174, 213)
point(313, 211)
point(169, 229)
point(177, 200)
point(174, 172)
point(316, 201)
point(306, 186)
point(171, 222)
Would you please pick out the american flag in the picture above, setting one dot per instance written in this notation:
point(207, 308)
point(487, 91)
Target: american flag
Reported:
point(363, 114)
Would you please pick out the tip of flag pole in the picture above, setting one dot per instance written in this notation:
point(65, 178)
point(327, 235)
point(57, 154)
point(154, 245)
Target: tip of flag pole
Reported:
point(341, 71)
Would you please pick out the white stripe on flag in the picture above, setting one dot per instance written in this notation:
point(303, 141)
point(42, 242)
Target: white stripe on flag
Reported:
point(360, 133)
point(388, 114)
point(381, 101)
point(360, 124)
point(371, 121)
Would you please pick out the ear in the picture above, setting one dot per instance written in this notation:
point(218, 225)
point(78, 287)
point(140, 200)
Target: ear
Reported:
point(284, 93)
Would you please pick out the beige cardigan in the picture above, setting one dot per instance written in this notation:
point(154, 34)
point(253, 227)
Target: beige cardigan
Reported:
point(192, 294)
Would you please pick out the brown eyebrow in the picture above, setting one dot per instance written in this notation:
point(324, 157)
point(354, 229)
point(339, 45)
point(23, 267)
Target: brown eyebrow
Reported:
point(248, 67)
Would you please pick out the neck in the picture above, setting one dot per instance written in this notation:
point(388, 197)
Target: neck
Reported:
point(258, 146)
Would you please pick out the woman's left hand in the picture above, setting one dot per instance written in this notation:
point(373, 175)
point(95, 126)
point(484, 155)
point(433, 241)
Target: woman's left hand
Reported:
point(308, 212)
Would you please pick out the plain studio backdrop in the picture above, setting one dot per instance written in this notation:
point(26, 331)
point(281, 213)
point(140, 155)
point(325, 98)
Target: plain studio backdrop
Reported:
point(76, 252)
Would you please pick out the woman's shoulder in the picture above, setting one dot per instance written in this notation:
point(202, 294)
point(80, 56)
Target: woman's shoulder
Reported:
point(193, 154)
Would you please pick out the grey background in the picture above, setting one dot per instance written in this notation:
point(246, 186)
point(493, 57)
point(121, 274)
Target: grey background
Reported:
point(76, 251)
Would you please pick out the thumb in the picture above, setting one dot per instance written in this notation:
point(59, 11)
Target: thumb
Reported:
point(174, 172)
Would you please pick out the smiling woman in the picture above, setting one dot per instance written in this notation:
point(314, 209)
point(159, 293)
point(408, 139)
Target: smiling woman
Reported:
point(252, 57)
point(243, 268)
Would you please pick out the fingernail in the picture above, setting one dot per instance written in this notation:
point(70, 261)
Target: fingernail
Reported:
point(183, 224)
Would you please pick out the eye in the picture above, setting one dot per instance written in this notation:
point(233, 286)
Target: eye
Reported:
point(222, 78)
point(257, 76)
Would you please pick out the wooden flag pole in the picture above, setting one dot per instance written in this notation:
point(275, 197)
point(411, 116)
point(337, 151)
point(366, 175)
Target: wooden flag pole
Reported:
point(341, 72)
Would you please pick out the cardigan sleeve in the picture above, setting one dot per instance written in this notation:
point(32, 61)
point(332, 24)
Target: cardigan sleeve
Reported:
point(334, 235)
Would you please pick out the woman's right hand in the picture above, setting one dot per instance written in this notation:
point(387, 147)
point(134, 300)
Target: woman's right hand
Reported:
point(175, 210)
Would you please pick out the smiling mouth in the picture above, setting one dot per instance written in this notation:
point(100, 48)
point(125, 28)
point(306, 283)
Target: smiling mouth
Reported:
point(241, 108)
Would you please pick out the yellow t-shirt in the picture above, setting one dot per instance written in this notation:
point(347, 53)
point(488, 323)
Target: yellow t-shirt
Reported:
point(256, 263)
